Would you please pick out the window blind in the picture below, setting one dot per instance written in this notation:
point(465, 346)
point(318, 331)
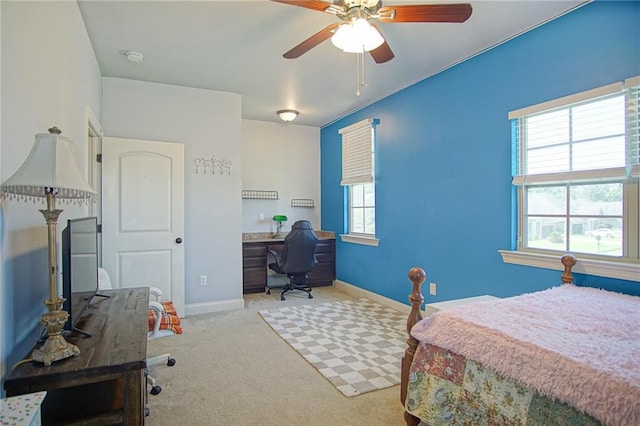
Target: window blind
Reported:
point(592, 136)
point(633, 123)
point(567, 100)
point(357, 152)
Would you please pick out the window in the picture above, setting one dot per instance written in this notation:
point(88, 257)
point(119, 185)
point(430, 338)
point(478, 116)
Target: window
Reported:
point(576, 168)
point(358, 155)
point(362, 209)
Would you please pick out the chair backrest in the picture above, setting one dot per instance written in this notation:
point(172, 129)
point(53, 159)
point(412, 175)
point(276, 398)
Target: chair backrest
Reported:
point(298, 255)
point(104, 282)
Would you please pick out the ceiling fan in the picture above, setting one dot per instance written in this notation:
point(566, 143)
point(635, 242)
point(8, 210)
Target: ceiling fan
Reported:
point(358, 34)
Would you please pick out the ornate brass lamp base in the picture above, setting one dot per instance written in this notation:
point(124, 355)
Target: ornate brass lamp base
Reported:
point(55, 348)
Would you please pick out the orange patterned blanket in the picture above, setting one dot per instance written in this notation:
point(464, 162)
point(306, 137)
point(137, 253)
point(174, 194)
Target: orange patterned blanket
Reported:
point(170, 319)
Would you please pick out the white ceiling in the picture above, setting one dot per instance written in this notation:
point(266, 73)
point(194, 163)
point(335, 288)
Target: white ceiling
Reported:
point(237, 46)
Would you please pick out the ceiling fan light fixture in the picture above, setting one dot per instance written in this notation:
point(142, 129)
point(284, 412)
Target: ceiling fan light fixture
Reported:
point(342, 36)
point(287, 114)
point(357, 37)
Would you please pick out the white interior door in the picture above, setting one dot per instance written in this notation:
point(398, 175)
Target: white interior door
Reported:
point(143, 215)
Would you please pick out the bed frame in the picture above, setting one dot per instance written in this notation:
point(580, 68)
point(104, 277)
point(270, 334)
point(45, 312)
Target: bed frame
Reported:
point(417, 276)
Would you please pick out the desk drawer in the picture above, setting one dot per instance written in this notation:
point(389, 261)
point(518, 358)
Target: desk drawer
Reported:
point(322, 274)
point(254, 278)
point(254, 251)
point(326, 246)
point(325, 257)
point(254, 262)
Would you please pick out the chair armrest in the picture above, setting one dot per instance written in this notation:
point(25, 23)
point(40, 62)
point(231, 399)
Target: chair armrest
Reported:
point(276, 254)
point(159, 309)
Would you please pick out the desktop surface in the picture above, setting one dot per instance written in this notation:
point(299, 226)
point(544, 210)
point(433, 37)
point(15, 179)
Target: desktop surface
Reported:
point(106, 380)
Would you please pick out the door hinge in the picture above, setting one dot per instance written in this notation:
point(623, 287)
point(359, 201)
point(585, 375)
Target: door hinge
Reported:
point(99, 229)
point(99, 158)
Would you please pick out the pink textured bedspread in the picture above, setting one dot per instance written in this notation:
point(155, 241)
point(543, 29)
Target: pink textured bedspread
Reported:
point(579, 345)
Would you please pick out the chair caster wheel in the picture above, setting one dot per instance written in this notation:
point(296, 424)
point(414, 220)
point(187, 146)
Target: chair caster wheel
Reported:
point(156, 390)
point(171, 362)
point(282, 298)
point(146, 411)
point(268, 291)
point(310, 296)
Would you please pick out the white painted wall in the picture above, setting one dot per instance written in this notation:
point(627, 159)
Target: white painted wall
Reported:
point(283, 158)
point(49, 76)
point(209, 124)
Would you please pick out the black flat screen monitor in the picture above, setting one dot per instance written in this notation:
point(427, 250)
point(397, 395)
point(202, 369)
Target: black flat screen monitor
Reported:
point(79, 267)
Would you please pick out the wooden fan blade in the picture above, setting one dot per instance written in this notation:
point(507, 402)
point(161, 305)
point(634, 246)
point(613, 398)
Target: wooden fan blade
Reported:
point(307, 4)
point(311, 42)
point(425, 13)
point(382, 53)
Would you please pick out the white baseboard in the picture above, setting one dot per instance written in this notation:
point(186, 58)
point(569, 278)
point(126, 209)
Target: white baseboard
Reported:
point(350, 289)
point(355, 291)
point(208, 308)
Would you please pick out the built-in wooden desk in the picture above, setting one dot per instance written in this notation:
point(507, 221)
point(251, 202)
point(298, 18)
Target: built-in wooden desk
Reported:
point(255, 259)
point(105, 384)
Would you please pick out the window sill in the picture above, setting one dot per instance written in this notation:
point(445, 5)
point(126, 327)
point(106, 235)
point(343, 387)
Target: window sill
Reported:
point(359, 239)
point(601, 268)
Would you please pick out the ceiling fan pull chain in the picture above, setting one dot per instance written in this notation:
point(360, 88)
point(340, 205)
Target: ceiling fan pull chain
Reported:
point(357, 74)
point(360, 72)
point(362, 80)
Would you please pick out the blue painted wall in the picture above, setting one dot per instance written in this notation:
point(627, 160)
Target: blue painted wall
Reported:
point(444, 197)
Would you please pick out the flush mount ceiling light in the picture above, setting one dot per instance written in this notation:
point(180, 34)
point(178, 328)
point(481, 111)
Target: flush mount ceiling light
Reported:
point(288, 114)
point(136, 57)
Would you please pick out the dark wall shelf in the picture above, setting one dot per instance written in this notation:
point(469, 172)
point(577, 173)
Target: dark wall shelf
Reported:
point(257, 194)
point(302, 202)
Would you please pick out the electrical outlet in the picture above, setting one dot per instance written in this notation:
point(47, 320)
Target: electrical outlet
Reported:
point(261, 216)
point(203, 280)
point(432, 289)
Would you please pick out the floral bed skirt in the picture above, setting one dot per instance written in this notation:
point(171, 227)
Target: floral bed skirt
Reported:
point(446, 388)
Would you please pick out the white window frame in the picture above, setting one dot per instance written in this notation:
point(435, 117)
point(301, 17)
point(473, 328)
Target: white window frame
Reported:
point(358, 164)
point(626, 267)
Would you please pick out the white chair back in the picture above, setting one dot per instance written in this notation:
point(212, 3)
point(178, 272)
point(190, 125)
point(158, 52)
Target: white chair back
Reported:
point(104, 282)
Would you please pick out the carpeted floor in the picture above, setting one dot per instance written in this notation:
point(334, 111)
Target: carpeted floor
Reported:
point(356, 344)
point(232, 369)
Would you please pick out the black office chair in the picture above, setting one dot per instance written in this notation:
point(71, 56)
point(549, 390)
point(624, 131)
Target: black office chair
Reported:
point(296, 259)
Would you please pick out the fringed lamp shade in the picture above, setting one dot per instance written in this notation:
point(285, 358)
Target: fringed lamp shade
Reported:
point(50, 166)
point(50, 171)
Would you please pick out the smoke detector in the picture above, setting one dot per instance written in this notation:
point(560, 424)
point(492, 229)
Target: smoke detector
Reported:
point(135, 56)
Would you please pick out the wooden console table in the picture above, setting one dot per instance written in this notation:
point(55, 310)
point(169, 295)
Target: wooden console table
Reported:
point(105, 384)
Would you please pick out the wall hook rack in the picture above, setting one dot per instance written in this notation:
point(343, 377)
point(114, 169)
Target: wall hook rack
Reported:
point(210, 165)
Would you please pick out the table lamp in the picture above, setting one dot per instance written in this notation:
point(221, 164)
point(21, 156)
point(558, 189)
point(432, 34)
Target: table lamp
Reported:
point(50, 172)
point(279, 219)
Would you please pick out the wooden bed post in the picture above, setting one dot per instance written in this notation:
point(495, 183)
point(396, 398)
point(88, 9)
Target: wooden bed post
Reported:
point(569, 261)
point(417, 277)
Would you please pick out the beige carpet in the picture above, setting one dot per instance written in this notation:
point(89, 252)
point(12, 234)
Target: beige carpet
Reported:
point(356, 344)
point(232, 369)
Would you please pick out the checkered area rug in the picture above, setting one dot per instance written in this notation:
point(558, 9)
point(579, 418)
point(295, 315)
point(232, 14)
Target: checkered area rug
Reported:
point(356, 344)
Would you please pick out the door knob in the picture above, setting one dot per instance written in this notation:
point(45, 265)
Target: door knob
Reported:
point(178, 240)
